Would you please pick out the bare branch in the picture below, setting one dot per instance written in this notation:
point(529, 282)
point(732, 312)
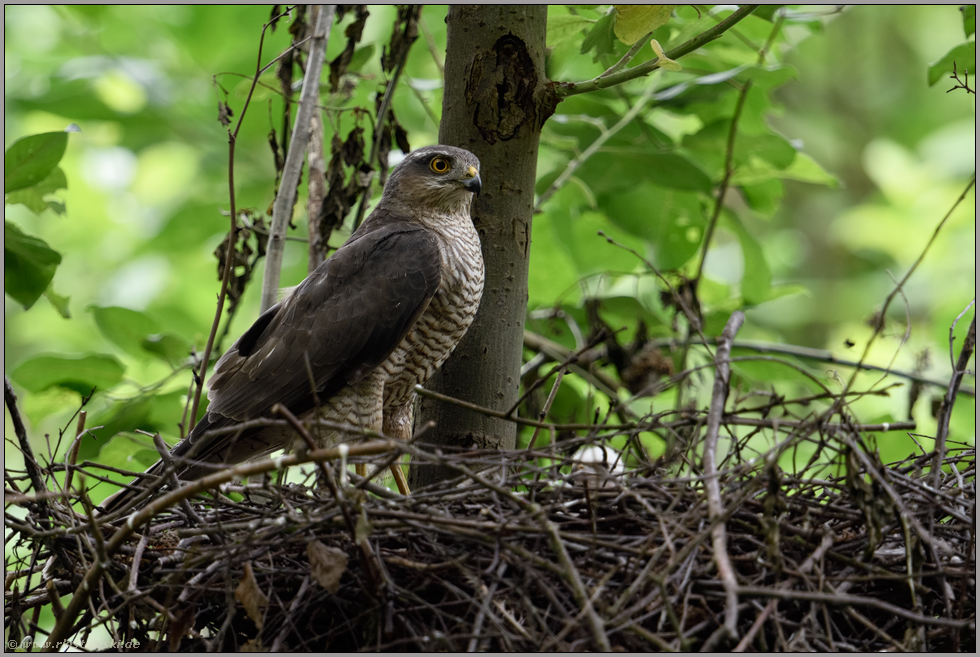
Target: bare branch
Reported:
point(564, 89)
point(712, 489)
point(282, 209)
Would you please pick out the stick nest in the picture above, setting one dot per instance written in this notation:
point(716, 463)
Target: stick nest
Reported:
point(546, 550)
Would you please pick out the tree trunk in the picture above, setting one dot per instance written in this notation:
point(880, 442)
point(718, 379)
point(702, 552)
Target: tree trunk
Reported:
point(494, 103)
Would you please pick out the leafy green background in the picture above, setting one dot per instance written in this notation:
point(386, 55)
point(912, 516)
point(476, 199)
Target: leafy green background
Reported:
point(848, 153)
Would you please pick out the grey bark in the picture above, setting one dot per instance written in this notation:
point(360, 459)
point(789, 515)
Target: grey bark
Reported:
point(495, 100)
point(282, 207)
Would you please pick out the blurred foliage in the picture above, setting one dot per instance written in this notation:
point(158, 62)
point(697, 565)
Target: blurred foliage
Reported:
point(847, 152)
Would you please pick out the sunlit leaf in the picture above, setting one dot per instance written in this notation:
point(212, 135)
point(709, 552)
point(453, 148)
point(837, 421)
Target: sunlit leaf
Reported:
point(59, 302)
point(33, 196)
point(805, 169)
point(30, 160)
point(665, 62)
point(78, 373)
point(634, 21)
point(963, 56)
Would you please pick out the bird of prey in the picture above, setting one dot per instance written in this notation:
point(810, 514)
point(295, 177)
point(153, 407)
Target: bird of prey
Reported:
point(379, 316)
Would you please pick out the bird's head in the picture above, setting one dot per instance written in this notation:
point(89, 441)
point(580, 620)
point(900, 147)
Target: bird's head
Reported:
point(440, 178)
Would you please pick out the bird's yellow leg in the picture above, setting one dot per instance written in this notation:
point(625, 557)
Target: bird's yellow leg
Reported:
point(360, 469)
point(400, 481)
point(398, 424)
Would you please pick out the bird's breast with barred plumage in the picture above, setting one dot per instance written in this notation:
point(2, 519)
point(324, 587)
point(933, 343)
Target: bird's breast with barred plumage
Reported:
point(448, 316)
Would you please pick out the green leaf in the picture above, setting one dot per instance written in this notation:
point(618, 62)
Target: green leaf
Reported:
point(764, 372)
point(551, 272)
point(969, 19)
point(608, 171)
point(31, 159)
point(125, 328)
point(772, 148)
point(600, 38)
point(780, 291)
point(33, 196)
point(764, 197)
point(756, 279)
point(670, 220)
point(153, 413)
point(564, 27)
point(360, 57)
point(28, 266)
point(59, 302)
point(166, 346)
point(766, 12)
point(964, 56)
point(634, 21)
point(805, 169)
point(591, 253)
point(78, 373)
point(29, 197)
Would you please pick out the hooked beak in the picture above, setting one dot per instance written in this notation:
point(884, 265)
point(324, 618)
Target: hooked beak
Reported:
point(472, 182)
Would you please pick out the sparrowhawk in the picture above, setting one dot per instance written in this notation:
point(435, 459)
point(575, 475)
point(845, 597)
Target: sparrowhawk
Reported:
point(375, 319)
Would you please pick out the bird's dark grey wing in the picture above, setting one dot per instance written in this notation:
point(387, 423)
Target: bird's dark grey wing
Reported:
point(345, 319)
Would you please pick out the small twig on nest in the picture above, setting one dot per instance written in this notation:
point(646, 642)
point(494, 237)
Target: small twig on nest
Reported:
point(712, 489)
point(30, 463)
point(65, 624)
point(368, 556)
point(826, 543)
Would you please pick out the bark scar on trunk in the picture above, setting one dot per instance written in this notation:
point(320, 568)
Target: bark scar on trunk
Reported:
point(500, 89)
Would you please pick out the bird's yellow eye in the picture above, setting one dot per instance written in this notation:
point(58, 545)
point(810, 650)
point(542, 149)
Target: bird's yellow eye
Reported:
point(439, 164)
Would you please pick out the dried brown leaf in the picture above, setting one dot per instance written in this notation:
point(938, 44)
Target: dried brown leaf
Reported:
point(327, 564)
point(182, 621)
point(250, 596)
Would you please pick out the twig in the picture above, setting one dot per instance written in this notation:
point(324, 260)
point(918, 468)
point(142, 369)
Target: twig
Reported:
point(317, 186)
point(201, 375)
point(547, 407)
point(575, 581)
point(134, 571)
point(282, 208)
point(65, 624)
point(962, 84)
point(712, 489)
point(627, 58)
point(842, 599)
point(569, 357)
point(72, 456)
point(946, 411)
point(430, 41)
point(30, 463)
point(378, 133)
point(880, 324)
point(826, 543)
point(594, 147)
point(564, 89)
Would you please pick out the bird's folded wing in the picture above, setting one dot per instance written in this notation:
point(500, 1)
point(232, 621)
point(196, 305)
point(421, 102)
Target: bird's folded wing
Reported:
point(343, 321)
